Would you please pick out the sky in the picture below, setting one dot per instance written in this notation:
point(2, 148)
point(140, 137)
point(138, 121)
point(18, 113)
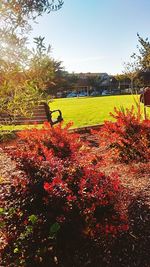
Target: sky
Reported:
point(95, 35)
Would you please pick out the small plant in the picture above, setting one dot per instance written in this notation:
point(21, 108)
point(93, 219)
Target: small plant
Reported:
point(60, 194)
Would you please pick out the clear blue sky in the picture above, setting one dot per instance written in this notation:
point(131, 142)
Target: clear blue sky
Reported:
point(95, 35)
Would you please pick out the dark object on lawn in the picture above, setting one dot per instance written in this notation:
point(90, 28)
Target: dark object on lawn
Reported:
point(145, 99)
point(39, 115)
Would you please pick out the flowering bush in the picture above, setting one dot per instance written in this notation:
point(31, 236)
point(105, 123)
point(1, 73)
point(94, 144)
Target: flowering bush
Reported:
point(59, 194)
point(129, 136)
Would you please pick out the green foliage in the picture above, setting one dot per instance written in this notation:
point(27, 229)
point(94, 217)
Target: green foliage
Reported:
point(16, 250)
point(140, 62)
point(19, 11)
point(24, 75)
point(6, 135)
point(1, 211)
point(143, 57)
point(33, 218)
point(18, 99)
point(25, 82)
point(43, 70)
point(17, 91)
point(54, 229)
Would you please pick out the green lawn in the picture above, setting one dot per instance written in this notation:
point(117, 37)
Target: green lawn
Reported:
point(86, 111)
point(91, 110)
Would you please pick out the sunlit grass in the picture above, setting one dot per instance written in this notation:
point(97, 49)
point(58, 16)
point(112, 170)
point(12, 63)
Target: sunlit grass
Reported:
point(86, 111)
point(92, 110)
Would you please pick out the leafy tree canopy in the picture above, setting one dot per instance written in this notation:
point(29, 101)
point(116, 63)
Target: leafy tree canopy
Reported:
point(138, 69)
point(143, 57)
point(27, 79)
point(19, 11)
point(43, 69)
point(24, 74)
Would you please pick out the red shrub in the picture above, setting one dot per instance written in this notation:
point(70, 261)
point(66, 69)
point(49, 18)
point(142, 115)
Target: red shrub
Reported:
point(60, 193)
point(129, 136)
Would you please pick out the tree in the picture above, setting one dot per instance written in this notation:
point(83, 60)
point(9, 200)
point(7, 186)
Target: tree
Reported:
point(138, 70)
point(17, 91)
point(143, 58)
point(23, 75)
point(13, 51)
point(122, 81)
point(43, 69)
point(19, 11)
point(94, 81)
point(22, 84)
point(131, 70)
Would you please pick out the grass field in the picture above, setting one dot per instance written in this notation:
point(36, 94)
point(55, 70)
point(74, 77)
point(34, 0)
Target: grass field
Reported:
point(91, 110)
point(86, 111)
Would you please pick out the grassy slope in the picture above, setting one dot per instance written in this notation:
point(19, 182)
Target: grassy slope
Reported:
point(91, 110)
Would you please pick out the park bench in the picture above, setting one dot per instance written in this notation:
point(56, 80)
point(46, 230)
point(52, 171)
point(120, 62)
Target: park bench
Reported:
point(40, 114)
point(145, 99)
